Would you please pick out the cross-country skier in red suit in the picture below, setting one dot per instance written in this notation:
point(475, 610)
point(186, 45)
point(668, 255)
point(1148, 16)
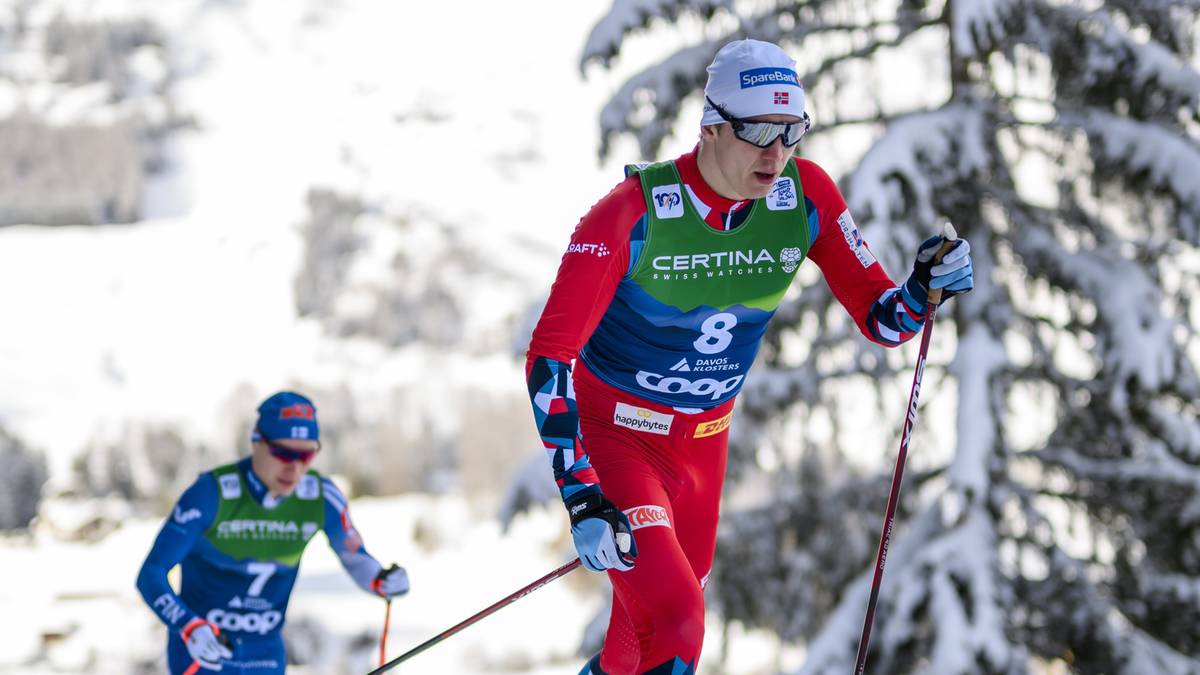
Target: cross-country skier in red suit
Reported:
point(660, 304)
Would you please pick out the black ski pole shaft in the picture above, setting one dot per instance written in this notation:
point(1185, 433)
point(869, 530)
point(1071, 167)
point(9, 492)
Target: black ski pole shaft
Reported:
point(889, 516)
point(500, 604)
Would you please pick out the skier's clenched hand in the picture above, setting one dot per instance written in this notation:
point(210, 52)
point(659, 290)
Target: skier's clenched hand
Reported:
point(602, 534)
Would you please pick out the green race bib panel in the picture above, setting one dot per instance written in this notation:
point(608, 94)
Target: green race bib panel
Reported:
point(241, 572)
point(686, 322)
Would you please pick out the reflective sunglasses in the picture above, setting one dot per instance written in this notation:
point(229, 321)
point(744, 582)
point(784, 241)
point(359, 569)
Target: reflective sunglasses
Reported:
point(763, 134)
point(285, 454)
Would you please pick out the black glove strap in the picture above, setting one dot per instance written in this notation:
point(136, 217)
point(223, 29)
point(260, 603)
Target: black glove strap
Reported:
point(384, 571)
point(587, 506)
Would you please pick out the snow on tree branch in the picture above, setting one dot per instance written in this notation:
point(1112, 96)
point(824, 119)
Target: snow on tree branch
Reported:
point(1153, 62)
point(1136, 344)
point(917, 155)
point(1168, 161)
point(976, 25)
point(932, 571)
point(952, 578)
point(1152, 465)
point(1161, 18)
point(626, 16)
point(661, 87)
point(1180, 431)
point(1111, 56)
point(980, 355)
point(832, 651)
point(1081, 607)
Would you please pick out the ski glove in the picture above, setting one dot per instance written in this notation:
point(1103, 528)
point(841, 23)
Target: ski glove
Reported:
point(602, 534)
point(391, 582)
point(205, 643)
point(954, 274)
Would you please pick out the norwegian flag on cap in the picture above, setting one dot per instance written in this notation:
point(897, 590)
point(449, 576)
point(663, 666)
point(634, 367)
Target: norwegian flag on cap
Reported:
point(750, 78)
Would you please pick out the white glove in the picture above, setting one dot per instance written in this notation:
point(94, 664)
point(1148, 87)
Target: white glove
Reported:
point(391, 582)
point(202, 643)
point(602, 533)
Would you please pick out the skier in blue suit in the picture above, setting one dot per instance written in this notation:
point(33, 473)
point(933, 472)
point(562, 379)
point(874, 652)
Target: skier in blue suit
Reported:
point(238, 533)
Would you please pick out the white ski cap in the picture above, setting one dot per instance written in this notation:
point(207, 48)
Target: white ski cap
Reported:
point(751, 77)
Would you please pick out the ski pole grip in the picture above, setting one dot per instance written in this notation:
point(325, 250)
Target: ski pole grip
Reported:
point(935, 294)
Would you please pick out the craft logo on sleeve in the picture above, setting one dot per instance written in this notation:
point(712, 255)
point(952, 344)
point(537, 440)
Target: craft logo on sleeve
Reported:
point(598, 250)
point(184, 517)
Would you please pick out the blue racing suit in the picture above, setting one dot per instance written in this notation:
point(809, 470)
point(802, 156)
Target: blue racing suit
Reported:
point(239, 549)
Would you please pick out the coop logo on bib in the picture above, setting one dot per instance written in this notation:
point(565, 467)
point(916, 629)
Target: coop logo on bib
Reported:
point(250, 622)
point(705, 386)
point(668, 201)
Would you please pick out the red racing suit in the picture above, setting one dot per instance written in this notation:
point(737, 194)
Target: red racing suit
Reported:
point(663, 465)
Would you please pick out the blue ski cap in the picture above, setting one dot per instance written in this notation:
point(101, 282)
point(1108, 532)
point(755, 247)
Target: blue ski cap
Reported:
point(750, 78)
point(287, 415)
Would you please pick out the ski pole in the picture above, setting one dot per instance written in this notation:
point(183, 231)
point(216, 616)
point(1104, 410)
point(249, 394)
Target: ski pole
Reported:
point(387, 614)
point(387, 618)
point(889, 517)
point(508, 600)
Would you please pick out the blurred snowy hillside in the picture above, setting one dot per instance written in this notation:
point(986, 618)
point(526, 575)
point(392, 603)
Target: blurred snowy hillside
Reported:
point(204, 201)
point(361, 200)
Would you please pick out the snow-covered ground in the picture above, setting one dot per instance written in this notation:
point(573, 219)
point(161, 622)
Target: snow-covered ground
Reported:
point(87, 617)
point(73, 608)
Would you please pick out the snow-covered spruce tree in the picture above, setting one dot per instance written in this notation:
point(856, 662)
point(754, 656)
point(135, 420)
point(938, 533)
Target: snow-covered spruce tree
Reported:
point(1061, 138)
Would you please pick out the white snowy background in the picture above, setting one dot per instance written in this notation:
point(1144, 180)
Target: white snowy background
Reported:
point(470, 123)
point(367, 201)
